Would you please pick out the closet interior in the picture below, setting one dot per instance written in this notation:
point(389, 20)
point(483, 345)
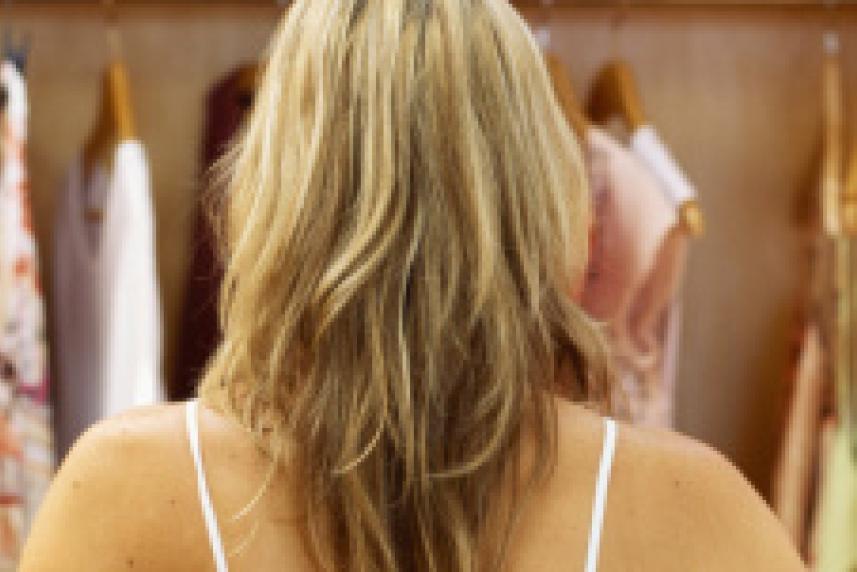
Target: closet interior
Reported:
point(740, 113)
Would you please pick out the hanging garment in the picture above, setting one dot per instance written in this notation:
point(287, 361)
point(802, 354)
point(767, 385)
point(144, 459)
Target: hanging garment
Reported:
point(633, 220)
point(657, 319)
point(656, 324)
point(227, 106)
point(653, 152)
point(26, 433)
point(826, 438)
point(795, 480)
point(837, 534)
point(794, 474)
point(108, 315)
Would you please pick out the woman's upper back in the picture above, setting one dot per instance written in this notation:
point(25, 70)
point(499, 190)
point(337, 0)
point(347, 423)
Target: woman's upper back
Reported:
point(127, 498)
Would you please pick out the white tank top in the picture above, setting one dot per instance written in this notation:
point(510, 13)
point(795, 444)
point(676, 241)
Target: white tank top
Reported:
point(601, 484)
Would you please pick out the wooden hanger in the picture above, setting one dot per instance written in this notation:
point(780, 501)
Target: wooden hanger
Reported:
point(248, 83)
point(615, 94)
point(249, 77)
point(565, 95)
point(115, 121)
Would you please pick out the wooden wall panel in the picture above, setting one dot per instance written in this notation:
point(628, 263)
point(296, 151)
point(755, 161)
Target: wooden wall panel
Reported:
point(735, 93)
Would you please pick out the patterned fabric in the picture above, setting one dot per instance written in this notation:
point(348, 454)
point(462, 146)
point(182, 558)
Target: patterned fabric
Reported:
point(26, 434)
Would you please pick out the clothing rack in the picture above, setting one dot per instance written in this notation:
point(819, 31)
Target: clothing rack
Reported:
point(690, 4)
point(830, 8)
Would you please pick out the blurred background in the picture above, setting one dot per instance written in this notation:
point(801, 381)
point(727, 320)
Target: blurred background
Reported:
point(739, 111)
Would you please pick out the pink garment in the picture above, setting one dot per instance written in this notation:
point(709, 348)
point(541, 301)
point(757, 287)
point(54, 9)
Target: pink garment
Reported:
point(636, 264)
point(670, 359)
point(631, 219)
point(658, 293)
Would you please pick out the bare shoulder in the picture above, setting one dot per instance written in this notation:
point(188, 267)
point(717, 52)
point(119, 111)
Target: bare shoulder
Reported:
point(677, 504)
point(124, 498)
point(672, 504)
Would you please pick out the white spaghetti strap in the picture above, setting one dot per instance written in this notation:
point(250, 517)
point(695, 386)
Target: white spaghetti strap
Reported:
point(202, 486)
point(601, 486)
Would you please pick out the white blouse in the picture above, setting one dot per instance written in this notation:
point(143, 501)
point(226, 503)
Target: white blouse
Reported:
point(107, 303)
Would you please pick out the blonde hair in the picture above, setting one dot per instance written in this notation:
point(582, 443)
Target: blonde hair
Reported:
point(405, 216)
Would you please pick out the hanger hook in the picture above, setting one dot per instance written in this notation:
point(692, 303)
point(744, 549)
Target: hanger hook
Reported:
point(543, 32)
point(832, 8)
point(111, 21)
point(617, 23)
point(7, 5)
point(831, 43)
point(620, 15)
point(15, 47)
point(110, 14)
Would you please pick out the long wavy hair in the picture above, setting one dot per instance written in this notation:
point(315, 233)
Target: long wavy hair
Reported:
point(403, 219)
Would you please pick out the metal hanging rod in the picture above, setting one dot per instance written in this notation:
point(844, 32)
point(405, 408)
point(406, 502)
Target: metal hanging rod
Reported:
point(830, 6)
point(159, 3)
point(38, 5)
point(631, 5)
point(820, 4)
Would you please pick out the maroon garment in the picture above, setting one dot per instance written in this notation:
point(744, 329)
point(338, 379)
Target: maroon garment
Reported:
point(227, 105)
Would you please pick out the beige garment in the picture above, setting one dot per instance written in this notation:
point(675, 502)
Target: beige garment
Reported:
point(795, 482)
point(794, 473)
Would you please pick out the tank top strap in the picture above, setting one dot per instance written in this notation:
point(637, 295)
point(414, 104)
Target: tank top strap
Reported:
point(216, 542)
point(214, 538)
point(601, 485)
